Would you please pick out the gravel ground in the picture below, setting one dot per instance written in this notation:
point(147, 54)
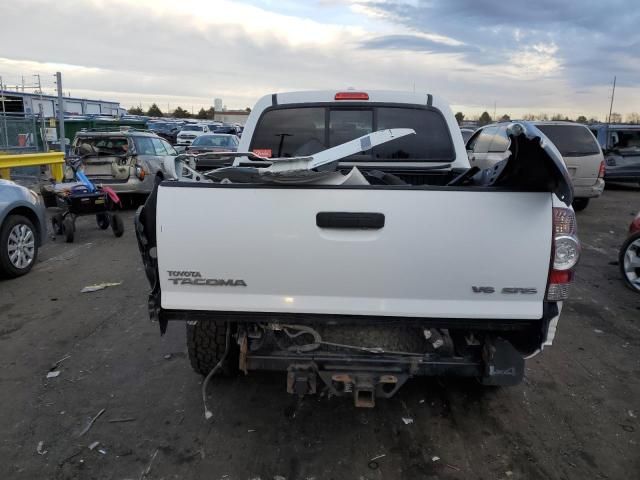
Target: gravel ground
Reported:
point(574, 417)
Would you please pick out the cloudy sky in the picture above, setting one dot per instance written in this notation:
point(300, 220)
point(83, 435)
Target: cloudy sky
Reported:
point(526, 56)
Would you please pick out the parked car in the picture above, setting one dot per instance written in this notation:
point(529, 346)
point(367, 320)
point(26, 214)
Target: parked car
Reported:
point(190, 132)
point(230, 129)
point(621, 145)
point(23, 228)
point(629, 258)
point(217, 142)
point(577, 145)
point(466, 133)
point(127, 161)
point(397, 262)
point(166, 130)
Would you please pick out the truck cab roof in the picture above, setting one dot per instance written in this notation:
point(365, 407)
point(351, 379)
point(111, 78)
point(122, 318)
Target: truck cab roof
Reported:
point(362, 100)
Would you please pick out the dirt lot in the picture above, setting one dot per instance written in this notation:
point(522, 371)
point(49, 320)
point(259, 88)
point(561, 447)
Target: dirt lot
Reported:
point(575, 416)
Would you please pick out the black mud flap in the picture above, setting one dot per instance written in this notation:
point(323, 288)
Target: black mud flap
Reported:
point(535, 164)
point(145, 226)
point(503, 364)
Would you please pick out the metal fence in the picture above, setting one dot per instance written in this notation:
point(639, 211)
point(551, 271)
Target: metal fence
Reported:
point(20, 133)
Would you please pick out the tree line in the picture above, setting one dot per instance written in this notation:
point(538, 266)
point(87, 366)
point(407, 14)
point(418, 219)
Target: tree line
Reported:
point(179, 112)
point(485, 118)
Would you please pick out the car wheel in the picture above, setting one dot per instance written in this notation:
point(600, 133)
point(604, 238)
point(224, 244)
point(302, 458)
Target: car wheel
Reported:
point(206, 342)
point(18, 246)
point(68, 229)
point(102, 219)
point(580, 204)
point(117, 225)
point(629, 260)
point(56, 223)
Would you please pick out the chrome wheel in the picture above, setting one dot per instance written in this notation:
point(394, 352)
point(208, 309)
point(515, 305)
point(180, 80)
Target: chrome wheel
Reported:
point(21, 246)
point(631, 263)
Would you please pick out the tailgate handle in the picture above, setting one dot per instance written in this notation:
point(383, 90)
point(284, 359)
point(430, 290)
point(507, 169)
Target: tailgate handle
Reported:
point(373, 221)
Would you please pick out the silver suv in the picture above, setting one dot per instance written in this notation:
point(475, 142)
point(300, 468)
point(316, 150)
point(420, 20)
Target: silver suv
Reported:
point(577, 145)
point(22, 228)
point(127, 161)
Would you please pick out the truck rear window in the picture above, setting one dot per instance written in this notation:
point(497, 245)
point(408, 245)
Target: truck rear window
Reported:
point(299, 131)
point(571, 140)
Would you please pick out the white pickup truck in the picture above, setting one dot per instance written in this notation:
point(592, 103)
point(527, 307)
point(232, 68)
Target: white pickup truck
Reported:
point(414, 264)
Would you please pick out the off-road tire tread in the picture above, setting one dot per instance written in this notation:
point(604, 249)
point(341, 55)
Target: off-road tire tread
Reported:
point(206, 344)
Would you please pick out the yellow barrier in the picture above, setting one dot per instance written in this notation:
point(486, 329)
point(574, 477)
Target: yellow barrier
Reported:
point(54, 159)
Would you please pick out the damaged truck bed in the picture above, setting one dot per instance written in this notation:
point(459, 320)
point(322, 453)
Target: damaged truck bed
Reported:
point(352, 246)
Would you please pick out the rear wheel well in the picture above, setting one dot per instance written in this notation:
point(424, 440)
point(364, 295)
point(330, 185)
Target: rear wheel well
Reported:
point(31, 215)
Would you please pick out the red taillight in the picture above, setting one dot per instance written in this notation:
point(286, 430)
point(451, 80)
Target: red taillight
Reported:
point(565, 252)
point(635, 225)
point(602, 170)
point(561, 276)
point(351, 96)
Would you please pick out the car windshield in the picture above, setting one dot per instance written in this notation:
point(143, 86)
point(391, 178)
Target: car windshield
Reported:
point(571, 140)
point(192, 128)
point(298, 131)
point(215, 141)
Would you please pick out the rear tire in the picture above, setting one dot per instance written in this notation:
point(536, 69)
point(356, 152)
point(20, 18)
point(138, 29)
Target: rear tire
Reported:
point(117, 225)
point(206, 344)
point(68, 228)
point(18, 246)
point(629, 251)
point(580, 204)
point(56, 223)
point(102, 219)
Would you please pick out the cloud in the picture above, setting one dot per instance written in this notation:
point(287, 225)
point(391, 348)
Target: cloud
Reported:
point(188, 52)
point(416, 42)
point(575, 35)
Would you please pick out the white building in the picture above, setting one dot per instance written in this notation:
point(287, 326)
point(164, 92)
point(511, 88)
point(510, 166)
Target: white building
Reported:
point(30, 103)
point(217, 104)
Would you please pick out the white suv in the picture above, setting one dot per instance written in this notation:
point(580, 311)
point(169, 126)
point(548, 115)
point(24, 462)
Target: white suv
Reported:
point(190, 132)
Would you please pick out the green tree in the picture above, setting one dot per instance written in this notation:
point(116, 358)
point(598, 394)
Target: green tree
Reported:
point(135, 111)
point(248, 110)
point(484, 119)
point(154, 111)
point(505, 118)
point(581, 119)
point(459, 117)
point(211, 113)
point(529, 117)
point(181, 113)
point(202, 114)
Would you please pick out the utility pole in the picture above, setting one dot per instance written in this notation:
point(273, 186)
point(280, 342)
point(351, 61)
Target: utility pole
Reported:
point(43, 130)
point(4, 115)
point(63, 144)
point(613, 92)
